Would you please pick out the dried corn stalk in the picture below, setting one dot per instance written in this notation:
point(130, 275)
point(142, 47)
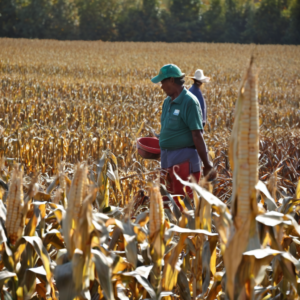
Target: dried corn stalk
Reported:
point(77, 191)
point(272, 185)
point(82, 241)
point(243, 149)
point(15, 220)
point(297, 194)
point(62, 184)
point(243, 155)
point(62, 178)
point(156, 236)
point(76, 195)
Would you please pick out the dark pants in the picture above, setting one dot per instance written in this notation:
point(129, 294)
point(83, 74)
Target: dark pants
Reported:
point(171, 158)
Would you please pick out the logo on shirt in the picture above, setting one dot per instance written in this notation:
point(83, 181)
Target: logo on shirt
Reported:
point(176, 112)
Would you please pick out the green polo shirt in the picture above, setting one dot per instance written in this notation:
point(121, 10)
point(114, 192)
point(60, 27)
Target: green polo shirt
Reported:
point(178, 118)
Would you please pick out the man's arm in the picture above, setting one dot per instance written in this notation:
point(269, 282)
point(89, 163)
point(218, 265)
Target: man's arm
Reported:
point(154, 133)
point(201, 149)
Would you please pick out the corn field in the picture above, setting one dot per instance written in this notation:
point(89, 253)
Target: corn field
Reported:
point(81, 213)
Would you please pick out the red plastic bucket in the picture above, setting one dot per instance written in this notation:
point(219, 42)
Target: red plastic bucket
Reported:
point(148, 147)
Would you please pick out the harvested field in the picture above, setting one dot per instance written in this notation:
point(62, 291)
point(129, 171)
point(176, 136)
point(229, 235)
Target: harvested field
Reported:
point(70, 113)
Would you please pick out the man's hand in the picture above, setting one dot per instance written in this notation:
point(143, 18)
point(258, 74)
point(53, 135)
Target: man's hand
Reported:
point(154, 133)
point(201, 149)
point(210, 172)
point(207, 169)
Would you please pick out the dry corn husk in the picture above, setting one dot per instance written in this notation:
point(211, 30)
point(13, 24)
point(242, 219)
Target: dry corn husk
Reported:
point(156, 235)
point(77, 193)
point(243, 155)
point(244, 148)
point(157, 216)
point(15, 219)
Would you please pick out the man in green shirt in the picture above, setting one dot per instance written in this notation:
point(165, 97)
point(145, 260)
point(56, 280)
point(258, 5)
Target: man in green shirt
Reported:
point(181, 137)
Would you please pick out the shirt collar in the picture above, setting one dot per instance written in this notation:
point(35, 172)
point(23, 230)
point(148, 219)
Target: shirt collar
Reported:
point(179, 99)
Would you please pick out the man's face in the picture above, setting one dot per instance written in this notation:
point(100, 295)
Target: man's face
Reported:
point(167, 86)
point(197, 83)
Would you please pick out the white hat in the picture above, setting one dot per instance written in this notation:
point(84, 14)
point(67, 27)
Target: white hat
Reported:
point(199, 76)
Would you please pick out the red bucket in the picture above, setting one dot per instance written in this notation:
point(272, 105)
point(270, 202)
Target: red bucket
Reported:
point(148, 147)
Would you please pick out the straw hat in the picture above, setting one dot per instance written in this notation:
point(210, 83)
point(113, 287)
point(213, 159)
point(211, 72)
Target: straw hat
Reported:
point(199, 76)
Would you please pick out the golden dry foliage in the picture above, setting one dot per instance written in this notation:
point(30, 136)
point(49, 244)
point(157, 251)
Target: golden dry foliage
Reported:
point(70, 113)
point(72, 100)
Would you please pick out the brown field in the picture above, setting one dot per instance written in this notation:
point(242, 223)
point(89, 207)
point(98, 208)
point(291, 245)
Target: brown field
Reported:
point(67, 102)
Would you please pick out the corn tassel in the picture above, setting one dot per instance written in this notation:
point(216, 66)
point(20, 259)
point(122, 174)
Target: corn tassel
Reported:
point(15, 204)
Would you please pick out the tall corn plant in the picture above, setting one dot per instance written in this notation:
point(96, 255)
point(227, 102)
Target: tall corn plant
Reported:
point(243, 155)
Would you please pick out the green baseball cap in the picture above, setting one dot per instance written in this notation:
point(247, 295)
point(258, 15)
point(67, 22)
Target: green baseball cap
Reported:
point(167, 71)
